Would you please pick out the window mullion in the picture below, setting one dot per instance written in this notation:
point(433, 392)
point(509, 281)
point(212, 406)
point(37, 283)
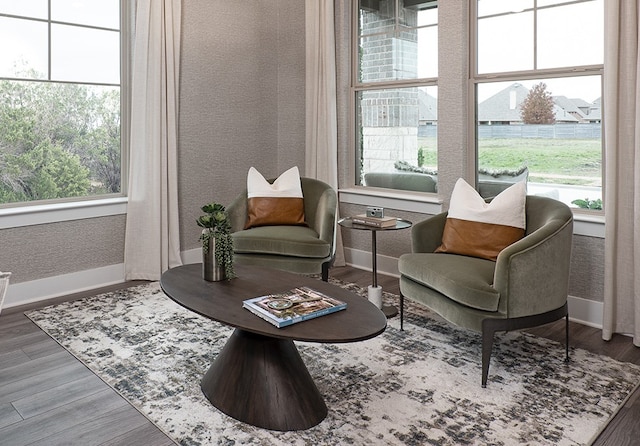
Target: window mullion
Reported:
point(49, 46)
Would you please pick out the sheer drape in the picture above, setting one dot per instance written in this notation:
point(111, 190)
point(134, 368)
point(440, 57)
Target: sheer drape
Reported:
point(4, 286)
point(621, 103)
point(321, 154)
point(152, 242)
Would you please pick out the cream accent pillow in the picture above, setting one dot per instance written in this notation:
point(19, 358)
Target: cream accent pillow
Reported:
point(280, 203)
point(480, 229)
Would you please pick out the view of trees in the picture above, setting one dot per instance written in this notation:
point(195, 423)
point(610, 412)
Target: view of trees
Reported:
point(58, 140)
point(537, 108)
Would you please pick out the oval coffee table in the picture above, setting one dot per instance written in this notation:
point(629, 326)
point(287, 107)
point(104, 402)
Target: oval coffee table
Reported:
point(259, 376)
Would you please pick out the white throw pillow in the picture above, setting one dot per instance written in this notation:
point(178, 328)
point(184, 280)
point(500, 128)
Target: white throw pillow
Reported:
point(480, 229)
point(279, 203)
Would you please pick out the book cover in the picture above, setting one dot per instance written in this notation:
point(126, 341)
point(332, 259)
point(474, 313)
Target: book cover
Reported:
point(296, 305)
point(383, 222)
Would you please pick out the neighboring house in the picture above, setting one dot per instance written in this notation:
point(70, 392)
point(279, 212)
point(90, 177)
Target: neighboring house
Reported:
point(565, 108)
point(504, 108)
point(428, 113)
point(594, 114)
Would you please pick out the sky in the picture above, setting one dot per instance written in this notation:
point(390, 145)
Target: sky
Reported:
point(507, 29)
point(79, 53)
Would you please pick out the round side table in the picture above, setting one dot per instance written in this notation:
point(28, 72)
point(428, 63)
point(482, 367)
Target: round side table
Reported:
point(347, 222)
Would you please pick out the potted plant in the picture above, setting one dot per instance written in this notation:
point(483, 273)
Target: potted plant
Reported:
point(217, 243)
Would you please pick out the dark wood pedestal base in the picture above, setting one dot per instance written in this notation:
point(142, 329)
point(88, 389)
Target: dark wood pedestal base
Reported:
point(263, 381)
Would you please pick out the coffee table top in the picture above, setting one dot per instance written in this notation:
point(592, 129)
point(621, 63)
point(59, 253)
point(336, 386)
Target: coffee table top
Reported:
point(222, 302)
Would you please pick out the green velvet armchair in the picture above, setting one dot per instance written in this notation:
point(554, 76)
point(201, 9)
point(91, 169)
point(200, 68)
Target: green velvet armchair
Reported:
point(306, 249)
point(527, 286)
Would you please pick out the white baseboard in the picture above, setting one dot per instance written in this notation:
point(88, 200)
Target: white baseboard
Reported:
point(362, 260)
point(192, 256)
point(40, 290)
point(43, 289)
point(583, 311)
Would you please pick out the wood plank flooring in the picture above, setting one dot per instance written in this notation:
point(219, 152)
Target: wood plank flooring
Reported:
point(48, 397)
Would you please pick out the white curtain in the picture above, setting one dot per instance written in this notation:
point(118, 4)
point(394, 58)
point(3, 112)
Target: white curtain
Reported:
point(4, 286)
point(152, 243)
point(621, 101)
point(321, 155)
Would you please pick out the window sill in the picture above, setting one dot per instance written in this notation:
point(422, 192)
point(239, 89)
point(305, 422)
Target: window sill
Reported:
point(52, 213)
point(584, 224)
point(400, 200)
point(589, 225)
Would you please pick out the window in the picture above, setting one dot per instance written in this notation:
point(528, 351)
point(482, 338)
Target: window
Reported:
point(395, 88)
point(60, 100)
point(538, 79)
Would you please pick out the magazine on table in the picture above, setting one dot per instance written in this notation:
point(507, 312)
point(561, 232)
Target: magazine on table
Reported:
point(296, 305)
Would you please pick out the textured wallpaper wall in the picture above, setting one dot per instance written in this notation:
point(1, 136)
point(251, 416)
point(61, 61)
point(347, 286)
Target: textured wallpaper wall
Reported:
point(242, 99)
point(40, 251)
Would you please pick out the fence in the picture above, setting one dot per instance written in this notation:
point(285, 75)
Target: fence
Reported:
point(519, 131)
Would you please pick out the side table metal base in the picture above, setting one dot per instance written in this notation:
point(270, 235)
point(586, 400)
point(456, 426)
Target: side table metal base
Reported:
point(389, 310)
point(374, 294)
point(374, 291)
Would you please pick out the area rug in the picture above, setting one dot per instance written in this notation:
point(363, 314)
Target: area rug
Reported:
point(420, 386)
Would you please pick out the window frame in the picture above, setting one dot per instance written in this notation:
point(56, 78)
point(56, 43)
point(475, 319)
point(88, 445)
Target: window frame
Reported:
point(27, 213)
point(457, 140)
point(525, 75)
point(357, 87)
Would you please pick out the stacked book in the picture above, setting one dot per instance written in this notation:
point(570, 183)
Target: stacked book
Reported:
point(378, 222)
point(296, 305)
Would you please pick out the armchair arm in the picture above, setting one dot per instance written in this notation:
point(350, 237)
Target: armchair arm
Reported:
point(325, 218)
point(426, 235)
point(532, 275)
point(237, 211)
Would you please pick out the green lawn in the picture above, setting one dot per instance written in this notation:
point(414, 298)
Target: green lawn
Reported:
point(564, 161)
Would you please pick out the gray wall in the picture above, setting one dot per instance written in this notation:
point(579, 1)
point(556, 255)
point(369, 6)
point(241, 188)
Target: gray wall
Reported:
point(41, 251)
point(242, 99)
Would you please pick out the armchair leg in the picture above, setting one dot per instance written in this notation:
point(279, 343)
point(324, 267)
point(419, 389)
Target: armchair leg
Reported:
point(325, 271)
point(490, 326)
point(401, 312)
point(487, 345)
point(566, 337)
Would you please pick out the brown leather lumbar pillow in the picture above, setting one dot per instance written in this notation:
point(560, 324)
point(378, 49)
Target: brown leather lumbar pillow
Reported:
point(480, 229)
point(280, 203)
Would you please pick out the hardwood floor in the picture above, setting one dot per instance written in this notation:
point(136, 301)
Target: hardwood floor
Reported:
point(47, 397)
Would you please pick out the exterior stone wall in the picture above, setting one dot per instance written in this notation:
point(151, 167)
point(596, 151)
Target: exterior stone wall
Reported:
point(389, 117)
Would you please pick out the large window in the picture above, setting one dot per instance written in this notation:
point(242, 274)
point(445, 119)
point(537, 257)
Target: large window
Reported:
point(395, 87)
point(60, 104)
point(538, 78)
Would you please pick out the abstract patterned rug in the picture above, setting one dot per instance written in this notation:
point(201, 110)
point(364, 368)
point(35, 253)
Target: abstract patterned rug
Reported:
point(413, 387)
